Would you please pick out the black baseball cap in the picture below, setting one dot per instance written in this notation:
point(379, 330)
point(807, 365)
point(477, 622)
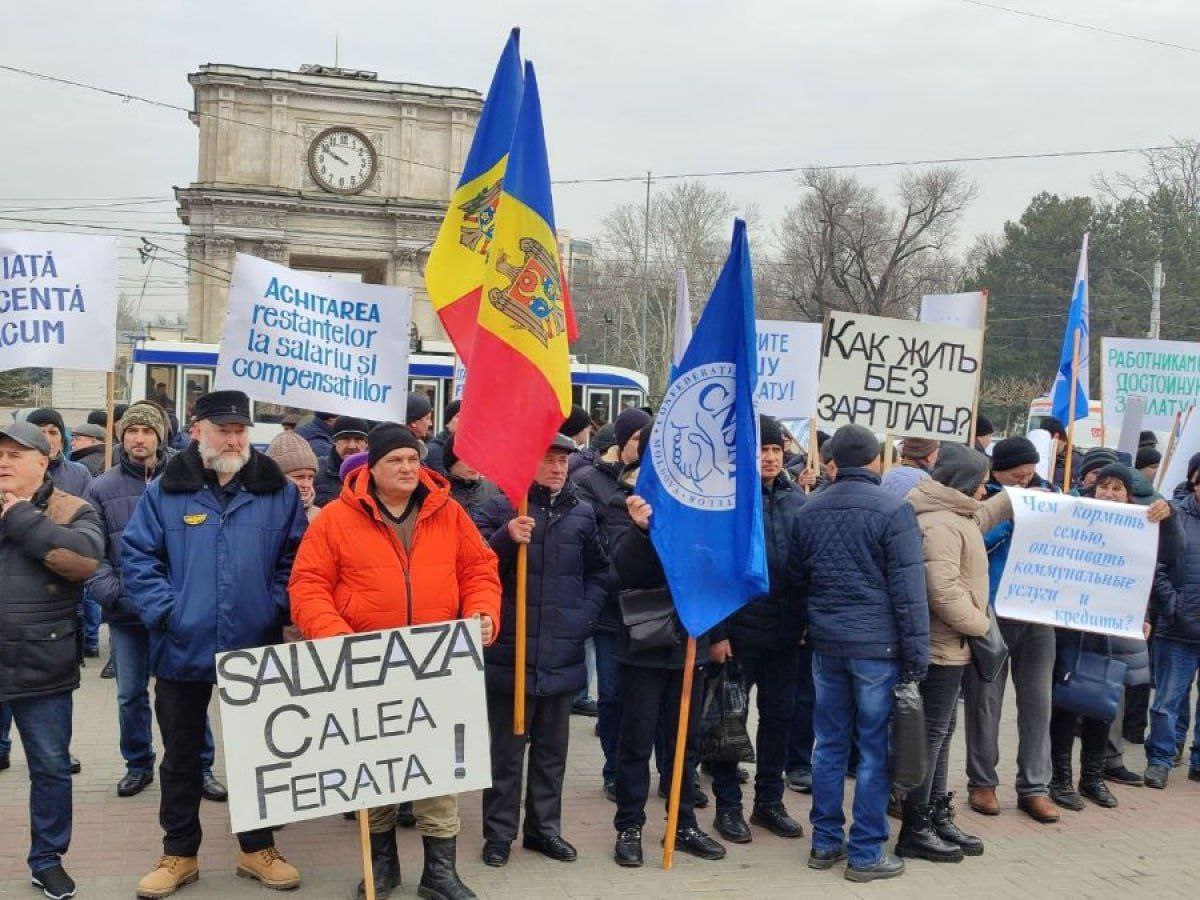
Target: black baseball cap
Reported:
point(223, 408)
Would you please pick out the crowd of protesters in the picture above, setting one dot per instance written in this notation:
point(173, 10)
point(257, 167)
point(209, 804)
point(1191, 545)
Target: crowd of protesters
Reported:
point(191, 545)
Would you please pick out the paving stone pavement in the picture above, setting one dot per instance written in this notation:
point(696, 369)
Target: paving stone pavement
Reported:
point(1149, 846)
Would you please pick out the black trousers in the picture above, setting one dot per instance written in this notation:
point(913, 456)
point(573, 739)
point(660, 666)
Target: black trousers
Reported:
point(646, 695)
point(939, 696)
point(182, 711)
point(547, 730)
point(1093, 734)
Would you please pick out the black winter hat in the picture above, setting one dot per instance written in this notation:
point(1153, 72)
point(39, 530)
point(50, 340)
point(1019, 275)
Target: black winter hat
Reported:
point(644, 440)
point(418, 407)
point(47, 416)
point(1054, 426)
point(629, 423)
point(349, 426)
point(575, 422)
point(605, 438)
point(770, 432)
point(389, 436)
point(1147, 456)
point(1122, 473)
point(1097, 458)
point(1147, 439)
point(984, 426)
point(98, 417)
point(1012, 452)
point(853, 445)
point(224, 408)
point(452, 409)
point(1193, 466)
point(449, 457)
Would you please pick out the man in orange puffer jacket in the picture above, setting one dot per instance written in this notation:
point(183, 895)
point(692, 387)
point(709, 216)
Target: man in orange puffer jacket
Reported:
point(394, 550)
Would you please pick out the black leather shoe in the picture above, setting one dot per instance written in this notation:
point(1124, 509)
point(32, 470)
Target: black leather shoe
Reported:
point(1122, 775)
point(552, 846)
point(92, 653)
point(587, 708)
point(495, 853)
point(628, 851)
point(54, 882)
point(1193, 774)
point(110, 669)
point(610, 791)
point(800, 781)
point(888, 867)
point(385, 866)
point(1156, 776)
point(825, 859)
point(696, 843)
point(134, 783)
point(76, 765)
point(776, 820)
point(5, 762)
point(731, 826)
point(213, 790)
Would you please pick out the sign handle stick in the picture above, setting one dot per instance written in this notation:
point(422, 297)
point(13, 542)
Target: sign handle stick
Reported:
point(887, 452)
point(110, 390)
point(685, 711)
point(519, 625)
point(1071, 415)
point(364, 839)
point(1166, 463)
point(978, 378)
point(814, 451)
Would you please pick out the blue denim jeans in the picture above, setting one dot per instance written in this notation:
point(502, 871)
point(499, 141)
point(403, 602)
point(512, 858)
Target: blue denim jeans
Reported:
point(1176, 664)
point(800, 737)
point(131, 657)
point(589, 660)
point(91, 621)
point(44, 724)
point(853, 698)
point(5, 729)
point(608, 700)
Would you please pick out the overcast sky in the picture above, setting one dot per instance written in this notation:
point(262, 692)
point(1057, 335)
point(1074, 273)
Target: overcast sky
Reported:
point(626, 86)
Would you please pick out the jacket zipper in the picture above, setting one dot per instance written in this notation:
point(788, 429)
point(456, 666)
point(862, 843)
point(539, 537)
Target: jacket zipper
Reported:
point(408, 601)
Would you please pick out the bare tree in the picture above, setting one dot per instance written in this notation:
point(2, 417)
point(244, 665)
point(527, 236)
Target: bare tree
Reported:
point(1175, 170)
point(845, 248)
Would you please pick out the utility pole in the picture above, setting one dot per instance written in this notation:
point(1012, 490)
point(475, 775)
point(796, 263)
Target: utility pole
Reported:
point(642, 342)
point(1156, 283)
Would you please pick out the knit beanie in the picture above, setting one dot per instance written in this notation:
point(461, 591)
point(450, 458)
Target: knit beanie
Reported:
point(852, 446)
point(984, 426)
point(98, 417)
point(917, 448)
point(629, 423)
point(390, 436)
point(1193, 466)
point(1147, 439)
point(292, 452)
point(46, 416)
point(575, 422)
point(452, 409)
point(349, 426)
point(1147, 456)
point(418, 407)
point(960, 467)
point(770, 432)
point(1097, 458)
point(644, 440)
point(1012, 452)
point(145, 414)
point(605, 438)
point(352, 462)
point(1124, 474)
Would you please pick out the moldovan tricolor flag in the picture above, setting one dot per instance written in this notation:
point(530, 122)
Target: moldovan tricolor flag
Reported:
point(454, 272)
point(519, 376)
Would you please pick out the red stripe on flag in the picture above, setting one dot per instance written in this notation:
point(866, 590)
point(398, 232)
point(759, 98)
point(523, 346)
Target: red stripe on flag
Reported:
point(510, 414)
point(461, 321)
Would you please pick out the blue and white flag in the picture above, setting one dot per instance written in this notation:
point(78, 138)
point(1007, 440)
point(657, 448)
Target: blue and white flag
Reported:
point(1077, 321)
point(701, 471)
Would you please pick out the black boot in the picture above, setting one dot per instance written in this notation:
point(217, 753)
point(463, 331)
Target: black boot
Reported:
point(943, 824)
point(1062, 787)
point(1091, 782)
point(385, 865)
point(439, 880)
point(918, 840)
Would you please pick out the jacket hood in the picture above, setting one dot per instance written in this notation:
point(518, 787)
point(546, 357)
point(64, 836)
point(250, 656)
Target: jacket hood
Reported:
point(184, 473)
point(356, 492)
point(933, 496)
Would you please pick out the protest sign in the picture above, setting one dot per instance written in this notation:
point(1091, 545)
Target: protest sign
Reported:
point(1078, 563)
point(1180, 450)
point(460, 377)
point(789, 366)
point(304, 340)
point(1166, 373)
point(1131, 426)
point(58, 301)
point(900, 377)
point(315, 728)
point(964, 310)
point(1043, 443)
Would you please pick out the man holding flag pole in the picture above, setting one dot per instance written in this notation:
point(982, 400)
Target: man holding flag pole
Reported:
point(696, 555)
point(1070, 392)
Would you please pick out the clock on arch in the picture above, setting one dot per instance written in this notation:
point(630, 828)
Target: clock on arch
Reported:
point(342, 160)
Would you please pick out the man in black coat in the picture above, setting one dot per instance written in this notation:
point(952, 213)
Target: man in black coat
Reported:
point(568, 573)
point(349, 437)
point(761, 640)
point(50, 542)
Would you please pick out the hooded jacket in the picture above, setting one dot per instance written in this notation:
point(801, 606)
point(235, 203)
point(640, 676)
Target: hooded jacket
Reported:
point(471, 495)
point(352, 574)
point(206, 578)
point(49, 545)
point(319, 436)
point(567, 586)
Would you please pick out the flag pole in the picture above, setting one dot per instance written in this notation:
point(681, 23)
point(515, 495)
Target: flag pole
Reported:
point(814, 451)
point(110, 391)
point(1071, 415)
point(978, 380)
point(887, 452)
point(519, 625)
point(681, 733)
point(1170, 454)
point(364, 840)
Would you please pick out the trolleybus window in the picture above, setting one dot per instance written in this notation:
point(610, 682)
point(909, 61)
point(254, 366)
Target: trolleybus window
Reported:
point(161, 386)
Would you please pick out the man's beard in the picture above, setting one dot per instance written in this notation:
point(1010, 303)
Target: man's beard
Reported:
point(218, 462)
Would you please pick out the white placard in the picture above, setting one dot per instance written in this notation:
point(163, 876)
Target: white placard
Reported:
point(1078, 563)
point(967, 310)
point(1043, 442)
point(316, 728)
point(789, 368)
point(303, 340)
point(1166, 373)
point(900, 377)
point(1187, 444)
point(58, 301)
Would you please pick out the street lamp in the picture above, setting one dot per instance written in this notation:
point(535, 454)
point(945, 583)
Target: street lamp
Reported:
point(1154, 285)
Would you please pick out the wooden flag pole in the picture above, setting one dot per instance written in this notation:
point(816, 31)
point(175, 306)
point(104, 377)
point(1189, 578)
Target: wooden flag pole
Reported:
point(814, 452)
point(1166, 462)
point(978, 380)
point(681, 732)
point(519, 626)
point(1071, 415)
point(887, 452)
point(364, 840)
point(110, 391)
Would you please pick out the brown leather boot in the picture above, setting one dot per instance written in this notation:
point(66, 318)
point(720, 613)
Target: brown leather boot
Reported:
point(171, 873)
point(983, 801)
point(268, 867)
point(1039, 808)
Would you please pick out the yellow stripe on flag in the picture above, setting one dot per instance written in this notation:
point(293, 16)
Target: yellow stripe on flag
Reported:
point(456, 262)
